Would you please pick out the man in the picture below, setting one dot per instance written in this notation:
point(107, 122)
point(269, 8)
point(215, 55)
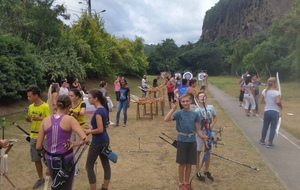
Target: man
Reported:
point(37, 111)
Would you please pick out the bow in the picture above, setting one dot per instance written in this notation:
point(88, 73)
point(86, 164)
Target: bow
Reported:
point(279, 119)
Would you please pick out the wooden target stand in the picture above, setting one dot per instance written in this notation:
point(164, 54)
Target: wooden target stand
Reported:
point(3, 164)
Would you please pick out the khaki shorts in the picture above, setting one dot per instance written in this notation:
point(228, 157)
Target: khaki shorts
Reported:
point(35, 155)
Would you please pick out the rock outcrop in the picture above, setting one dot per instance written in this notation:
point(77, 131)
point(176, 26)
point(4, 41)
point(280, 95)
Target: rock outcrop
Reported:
point(242, 18)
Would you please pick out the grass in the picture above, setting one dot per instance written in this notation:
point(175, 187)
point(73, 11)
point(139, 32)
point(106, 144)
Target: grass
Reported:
point(145, 161)
point(290, 100)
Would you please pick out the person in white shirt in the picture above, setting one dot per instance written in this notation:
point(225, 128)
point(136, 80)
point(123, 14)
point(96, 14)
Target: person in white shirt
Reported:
point(63, 87)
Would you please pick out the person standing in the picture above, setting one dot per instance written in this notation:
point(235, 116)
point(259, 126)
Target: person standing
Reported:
point(256, 83)
point(100, 140)
point(170, 89)
point(124, 102)
point(103, 86)
point(154, 85)
point(187, 124)
point(181, 90)
point(63, 87)
point(249, 96)
point(52, 97)
point(178, 82)
point(58, 130)
point(144, 86)
point(204, 83)
point(272, 100)
point(37, 111)
point(117, 86)
point(192, 92)
point(77, 110)
point(208, 119)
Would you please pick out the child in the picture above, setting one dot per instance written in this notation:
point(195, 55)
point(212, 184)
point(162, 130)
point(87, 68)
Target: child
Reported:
point(187, 124)
point(208, 120)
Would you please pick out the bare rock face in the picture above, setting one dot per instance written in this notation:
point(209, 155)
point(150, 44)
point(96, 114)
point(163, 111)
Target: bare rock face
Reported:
point(242, 18)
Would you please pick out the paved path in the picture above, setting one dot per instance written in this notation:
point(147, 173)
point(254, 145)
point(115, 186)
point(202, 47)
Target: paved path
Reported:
point(284, 159)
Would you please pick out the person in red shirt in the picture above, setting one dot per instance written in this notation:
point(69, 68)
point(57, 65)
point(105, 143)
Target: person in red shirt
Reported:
point(170, 89)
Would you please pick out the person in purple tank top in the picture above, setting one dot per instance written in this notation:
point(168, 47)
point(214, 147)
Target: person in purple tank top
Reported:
point(58, 129)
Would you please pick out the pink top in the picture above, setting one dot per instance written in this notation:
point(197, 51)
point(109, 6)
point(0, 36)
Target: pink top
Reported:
point(117, 86)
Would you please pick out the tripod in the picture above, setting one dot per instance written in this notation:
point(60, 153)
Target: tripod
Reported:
point(4, 157)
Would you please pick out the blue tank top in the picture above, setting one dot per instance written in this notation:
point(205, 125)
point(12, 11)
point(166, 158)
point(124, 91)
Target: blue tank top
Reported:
point(182, 89)
point(57, 137)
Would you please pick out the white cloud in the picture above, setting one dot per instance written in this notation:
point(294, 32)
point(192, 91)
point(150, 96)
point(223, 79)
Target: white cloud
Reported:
point(153, 20)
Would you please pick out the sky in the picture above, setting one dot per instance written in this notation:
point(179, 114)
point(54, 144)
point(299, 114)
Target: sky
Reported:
point(153, 20)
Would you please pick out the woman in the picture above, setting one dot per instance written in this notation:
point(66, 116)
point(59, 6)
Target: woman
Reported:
point(170, 89)
point(52, 97)
point(272, 100)
point(100, 140)
point(124, 102)
point(117, 86)
point(103, 86)
point(77, 111)
point(248, 89)
point(58, 129)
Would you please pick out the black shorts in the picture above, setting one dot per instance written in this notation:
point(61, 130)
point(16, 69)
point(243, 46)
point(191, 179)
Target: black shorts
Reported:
point(186, 153)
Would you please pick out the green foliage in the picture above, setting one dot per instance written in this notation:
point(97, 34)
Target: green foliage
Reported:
point(19, 68)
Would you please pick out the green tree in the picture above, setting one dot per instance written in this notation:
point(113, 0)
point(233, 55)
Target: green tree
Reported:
point(19, 68)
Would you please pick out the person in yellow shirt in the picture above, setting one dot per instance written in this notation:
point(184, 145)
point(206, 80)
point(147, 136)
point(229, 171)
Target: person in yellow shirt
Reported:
point(37, 111)
point(77, 111)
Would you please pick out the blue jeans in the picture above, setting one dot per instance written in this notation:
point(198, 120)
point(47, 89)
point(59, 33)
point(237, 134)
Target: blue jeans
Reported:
point(122, 105)
point(270, 118)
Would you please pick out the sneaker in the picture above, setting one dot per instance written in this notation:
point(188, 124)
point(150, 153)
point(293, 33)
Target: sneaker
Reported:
point(208, 175)
point(261, 142)
point(188, 187)
point(181, 186)
point(76, 172)
point(270, 145)
point(116, 125)
point(102, 188)
point(38, 183)
point(124, 125)
point(200, 177)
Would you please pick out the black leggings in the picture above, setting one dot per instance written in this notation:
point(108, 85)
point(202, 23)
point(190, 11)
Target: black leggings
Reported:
point(241, 98)
point(94, 152)
point(171, 96)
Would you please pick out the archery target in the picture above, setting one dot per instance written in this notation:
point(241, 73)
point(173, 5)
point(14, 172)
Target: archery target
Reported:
point(201, 76)
point(177, 75)
point(188, 75)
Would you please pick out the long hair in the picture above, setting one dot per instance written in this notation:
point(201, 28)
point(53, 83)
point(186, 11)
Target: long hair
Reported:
point(96, 93)
point(271, 82)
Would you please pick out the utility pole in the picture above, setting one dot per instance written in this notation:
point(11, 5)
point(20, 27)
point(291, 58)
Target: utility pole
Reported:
point(90, 7)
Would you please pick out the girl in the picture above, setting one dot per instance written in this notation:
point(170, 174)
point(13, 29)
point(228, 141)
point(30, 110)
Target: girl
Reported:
point(100, 140)
point(272, 100)
point(77, 111)
point(124, 102)
point(52, 97)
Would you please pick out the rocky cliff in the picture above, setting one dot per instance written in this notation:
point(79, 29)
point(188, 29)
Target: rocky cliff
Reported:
point(242, 18)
